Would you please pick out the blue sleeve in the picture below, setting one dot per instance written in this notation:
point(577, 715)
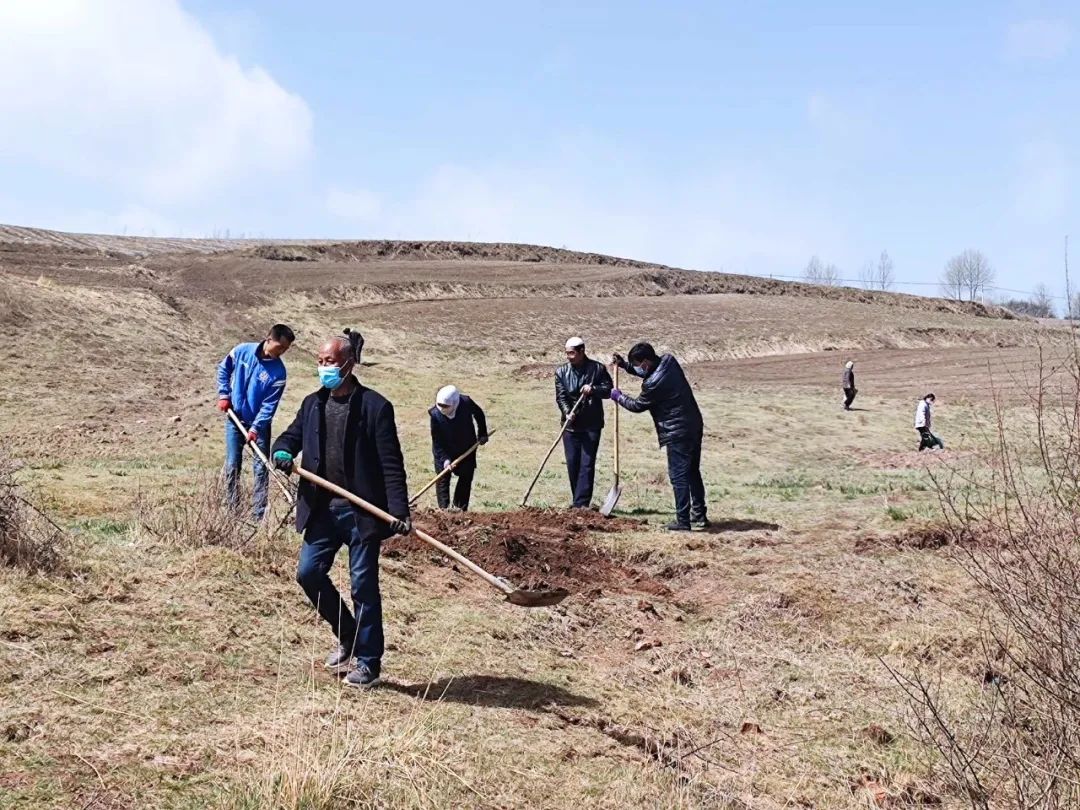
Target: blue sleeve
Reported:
point(224, 376)
point(269, 405)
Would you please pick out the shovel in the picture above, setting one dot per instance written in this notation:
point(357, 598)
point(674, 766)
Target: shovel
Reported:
point(616, 488)
point(551, 449)
point(447, 471)
point(515, 596)
point(274, 472)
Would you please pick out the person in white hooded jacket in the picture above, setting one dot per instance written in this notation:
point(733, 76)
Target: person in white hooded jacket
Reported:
point(457, 423)
point(923, 417)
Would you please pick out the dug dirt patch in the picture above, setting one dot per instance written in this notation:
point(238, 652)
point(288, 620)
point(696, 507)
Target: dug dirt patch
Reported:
point(534, 548)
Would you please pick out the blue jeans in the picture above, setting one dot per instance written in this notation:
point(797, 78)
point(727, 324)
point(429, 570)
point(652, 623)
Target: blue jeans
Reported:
point(684, 470)
point(581, 448)
point(360, 633)
point(234, 460)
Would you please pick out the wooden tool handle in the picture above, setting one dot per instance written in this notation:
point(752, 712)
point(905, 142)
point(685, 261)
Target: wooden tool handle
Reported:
point(551, 449)
point(447, 470)
point(262, 457)
point(388, 518)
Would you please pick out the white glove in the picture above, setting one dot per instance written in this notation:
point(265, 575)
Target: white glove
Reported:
point(446, 464)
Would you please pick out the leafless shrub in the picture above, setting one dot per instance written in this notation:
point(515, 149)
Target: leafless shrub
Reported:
point(199, 519)
point(1014, 741)
point(29, 539)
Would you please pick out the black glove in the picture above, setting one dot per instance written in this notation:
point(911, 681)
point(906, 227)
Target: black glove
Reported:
point(402, 527)
point(617, 359)
point(483, 439)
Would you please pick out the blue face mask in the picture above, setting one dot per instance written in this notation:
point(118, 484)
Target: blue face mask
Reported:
point(639, 370)
point(330, 376)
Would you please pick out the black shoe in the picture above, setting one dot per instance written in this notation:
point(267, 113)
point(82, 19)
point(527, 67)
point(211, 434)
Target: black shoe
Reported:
point(338, 661)
point(675, 526)
point(363, 677)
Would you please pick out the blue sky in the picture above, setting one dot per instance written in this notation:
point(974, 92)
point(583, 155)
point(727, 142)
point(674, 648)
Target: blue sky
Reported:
point(737, 136)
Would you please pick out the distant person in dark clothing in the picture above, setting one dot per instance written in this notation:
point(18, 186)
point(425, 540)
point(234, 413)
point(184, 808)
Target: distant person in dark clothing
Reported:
point(923, 416)
point(581, 376)
point(347, 435)
point(849, 384)
point(457, 423)
point(667, 396)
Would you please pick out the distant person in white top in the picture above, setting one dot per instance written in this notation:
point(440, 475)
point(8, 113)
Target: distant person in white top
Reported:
point(923, 415)
point(848, 383)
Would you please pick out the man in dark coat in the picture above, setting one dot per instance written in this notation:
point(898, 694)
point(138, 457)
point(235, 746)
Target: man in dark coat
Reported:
point(667, 396)
point(457, 423)
point(849, 384)
point(347, 435)
point(581, 377)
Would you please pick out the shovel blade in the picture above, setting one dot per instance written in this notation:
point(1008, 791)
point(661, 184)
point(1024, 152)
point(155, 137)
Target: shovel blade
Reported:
point(610, 501)
point(524, 598)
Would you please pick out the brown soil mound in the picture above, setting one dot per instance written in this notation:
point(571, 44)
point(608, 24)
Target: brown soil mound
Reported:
point(533, 548)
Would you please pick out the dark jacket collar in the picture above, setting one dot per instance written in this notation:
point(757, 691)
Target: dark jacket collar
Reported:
point(324, 393)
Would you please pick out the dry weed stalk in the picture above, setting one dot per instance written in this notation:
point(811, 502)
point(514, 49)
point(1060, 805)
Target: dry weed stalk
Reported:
point(1019, 746)
point(203, 518)
point(29, 539)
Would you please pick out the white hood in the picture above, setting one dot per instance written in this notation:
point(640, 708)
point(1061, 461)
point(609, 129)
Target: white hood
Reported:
point(449, 396)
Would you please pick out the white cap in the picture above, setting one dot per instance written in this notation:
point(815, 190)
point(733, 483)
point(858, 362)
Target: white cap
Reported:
point(850, 364)
point(574, 343)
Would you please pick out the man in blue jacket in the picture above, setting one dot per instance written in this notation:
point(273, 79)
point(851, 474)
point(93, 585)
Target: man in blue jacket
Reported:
point(667, 396)
point(348, 436)
point(251, 380)
point(457, 423)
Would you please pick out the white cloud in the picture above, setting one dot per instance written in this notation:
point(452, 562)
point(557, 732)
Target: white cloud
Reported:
point(1042, 182)
point(358, 205)
point(1038, 40)
point(136, 93)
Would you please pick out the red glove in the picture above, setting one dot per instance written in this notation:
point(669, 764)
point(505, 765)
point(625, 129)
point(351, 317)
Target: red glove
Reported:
point(223, 405)
point(253, 436)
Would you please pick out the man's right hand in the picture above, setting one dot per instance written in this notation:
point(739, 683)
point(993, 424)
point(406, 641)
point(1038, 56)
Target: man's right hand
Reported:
point(283, 461)
point(402, 527)
point(223, 405)
point(617, 359)
point(446, 464)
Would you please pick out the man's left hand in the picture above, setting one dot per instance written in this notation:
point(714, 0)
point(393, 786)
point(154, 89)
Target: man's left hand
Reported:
point(402, 527)
point(586, 390)
point(253, 436)
point(483, 439)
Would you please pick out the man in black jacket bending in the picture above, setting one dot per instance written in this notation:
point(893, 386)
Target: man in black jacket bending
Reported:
point(581, 377)
point(347, 435)
point(667, 396)
point(453, 432)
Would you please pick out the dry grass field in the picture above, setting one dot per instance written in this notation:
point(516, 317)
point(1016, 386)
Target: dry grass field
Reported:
point(178, 663)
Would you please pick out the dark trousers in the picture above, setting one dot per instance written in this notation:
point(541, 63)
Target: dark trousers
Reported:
point(234, 460)
point(849, 396)
point(928, 440)
point(581, 448)
point(329, 529)
point(462, 491)
point(684, 470)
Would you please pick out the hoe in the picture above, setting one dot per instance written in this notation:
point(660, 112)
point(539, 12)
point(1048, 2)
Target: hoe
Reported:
point(447, 471)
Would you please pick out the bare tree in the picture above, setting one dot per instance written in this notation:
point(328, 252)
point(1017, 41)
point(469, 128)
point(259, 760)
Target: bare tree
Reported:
point(967, 276)
point(819, 273)
point(1044, 301)
point(878, 276)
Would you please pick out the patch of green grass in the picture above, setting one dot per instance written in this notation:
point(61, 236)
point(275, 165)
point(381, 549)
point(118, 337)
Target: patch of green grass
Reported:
point(897, 514)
